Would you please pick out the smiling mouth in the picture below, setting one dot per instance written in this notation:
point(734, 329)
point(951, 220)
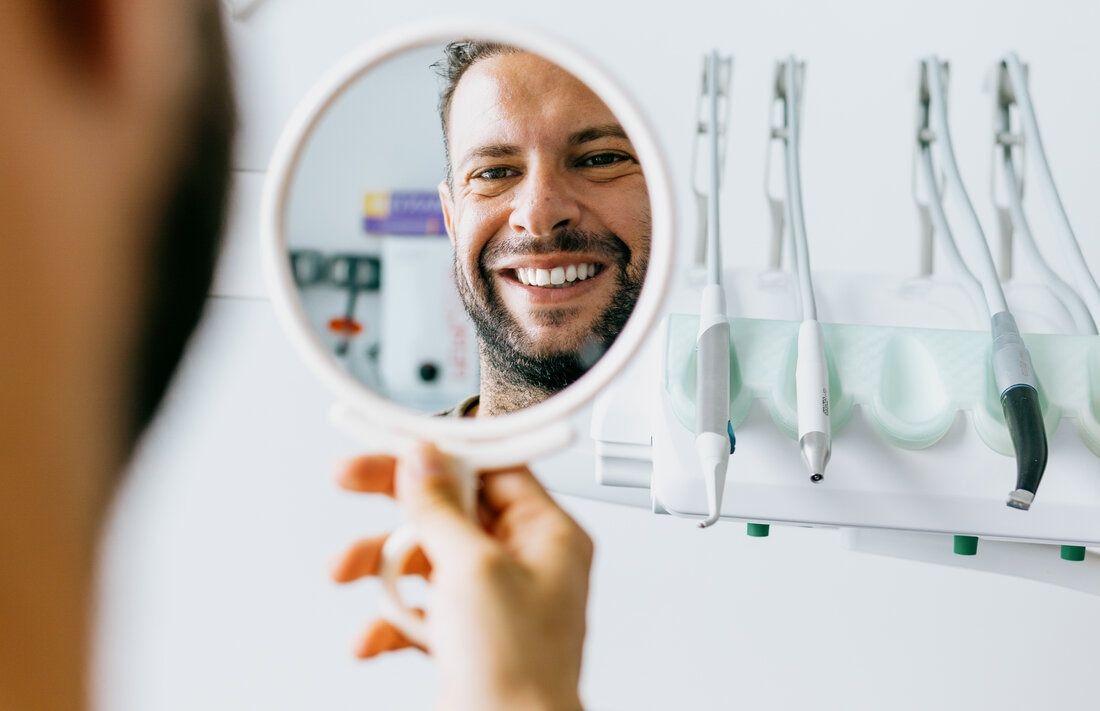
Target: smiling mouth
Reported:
point(558, 277)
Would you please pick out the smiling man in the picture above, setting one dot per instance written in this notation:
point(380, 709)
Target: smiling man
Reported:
point(547, 208)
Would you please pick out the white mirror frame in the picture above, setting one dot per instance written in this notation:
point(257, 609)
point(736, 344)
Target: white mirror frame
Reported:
point(372, 408)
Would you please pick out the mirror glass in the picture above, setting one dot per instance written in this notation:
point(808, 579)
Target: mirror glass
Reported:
point(468, 227)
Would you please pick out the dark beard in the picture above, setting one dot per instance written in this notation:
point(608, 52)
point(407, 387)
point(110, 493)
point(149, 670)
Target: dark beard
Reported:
point(504, 343)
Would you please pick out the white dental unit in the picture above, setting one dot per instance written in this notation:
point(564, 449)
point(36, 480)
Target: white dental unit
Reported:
point(923, 444)
point(231, 515)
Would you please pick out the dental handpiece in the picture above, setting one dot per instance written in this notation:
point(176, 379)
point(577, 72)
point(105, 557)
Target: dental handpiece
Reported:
point(712, 402)
point(811, 370)
point(811, 378)
point(1013, 372)
point(713, 433)
point(1015, 379)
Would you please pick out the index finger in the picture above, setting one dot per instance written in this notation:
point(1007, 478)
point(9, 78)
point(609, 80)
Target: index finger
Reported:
point(502, 488)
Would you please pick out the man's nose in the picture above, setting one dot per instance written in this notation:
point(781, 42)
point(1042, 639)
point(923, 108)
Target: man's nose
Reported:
point(544, 204)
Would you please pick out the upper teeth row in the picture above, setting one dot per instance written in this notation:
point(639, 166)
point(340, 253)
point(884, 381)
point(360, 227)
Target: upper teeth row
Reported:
point(555, 276)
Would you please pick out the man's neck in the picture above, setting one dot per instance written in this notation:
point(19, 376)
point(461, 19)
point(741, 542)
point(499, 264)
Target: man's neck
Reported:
point(501, 395)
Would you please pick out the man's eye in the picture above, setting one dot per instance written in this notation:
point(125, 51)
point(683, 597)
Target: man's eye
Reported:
point(495, 174)
point(602, 159)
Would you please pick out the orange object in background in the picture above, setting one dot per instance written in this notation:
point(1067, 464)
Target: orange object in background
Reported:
point(345, 326)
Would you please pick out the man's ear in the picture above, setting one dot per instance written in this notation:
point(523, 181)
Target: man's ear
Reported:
point(447, 205)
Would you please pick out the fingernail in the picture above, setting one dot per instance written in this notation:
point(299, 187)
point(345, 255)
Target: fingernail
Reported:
point(340, 470)
point(336, 569)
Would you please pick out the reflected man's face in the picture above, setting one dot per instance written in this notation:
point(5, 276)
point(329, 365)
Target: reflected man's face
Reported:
point(549, 215)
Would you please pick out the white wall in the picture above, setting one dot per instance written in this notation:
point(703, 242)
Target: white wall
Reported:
point(382, 134)
point(215, 594)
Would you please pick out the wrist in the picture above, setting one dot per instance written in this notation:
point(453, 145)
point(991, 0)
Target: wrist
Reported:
point(514, 700)
point(544, 702)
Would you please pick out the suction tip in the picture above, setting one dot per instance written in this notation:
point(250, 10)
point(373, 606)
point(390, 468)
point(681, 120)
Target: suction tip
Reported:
point(1020, 499)
point(816, 477)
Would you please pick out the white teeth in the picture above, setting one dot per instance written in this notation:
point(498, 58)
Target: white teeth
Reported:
point(558, 276)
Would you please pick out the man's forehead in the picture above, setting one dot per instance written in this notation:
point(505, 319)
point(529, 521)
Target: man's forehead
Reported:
point(518, 97)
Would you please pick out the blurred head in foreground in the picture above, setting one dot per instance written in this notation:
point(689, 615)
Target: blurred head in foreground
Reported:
point(115, 134)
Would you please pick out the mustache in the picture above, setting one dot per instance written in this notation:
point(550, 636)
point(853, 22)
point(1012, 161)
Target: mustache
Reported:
point(565, 240)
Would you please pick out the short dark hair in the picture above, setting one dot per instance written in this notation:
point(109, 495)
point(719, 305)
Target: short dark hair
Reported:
point(459, 56)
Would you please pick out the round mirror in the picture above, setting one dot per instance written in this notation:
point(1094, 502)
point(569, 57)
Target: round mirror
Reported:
point(467, 222)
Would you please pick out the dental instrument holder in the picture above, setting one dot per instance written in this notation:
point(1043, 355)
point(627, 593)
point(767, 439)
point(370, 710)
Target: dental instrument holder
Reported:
point(910, 383)
point(1007, 192)
point(1012, 367)
point(910, 386)
point(921, 449)
point(781, 240)
point(701, 176)
point(1004, 138)
point(1009, 87)
point(927, 191)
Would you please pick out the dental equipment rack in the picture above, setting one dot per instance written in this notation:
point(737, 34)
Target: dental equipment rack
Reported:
point(906, 498)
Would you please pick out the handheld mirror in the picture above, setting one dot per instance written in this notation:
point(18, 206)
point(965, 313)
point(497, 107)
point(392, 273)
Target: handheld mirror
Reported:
point(467, 231)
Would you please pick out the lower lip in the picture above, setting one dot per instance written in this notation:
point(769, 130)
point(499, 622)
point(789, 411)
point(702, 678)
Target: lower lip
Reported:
point(557, 295)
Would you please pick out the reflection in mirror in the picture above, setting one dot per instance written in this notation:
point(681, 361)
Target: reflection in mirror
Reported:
point(468, 228)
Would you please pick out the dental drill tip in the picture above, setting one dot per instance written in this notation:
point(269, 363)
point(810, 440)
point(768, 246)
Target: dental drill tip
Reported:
point(1020, 499)
point(713, 449)
point(709, 521)
point(815, 453)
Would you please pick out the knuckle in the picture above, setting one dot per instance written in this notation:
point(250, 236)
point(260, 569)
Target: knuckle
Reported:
point(574, 539)
point(490, 563)
point(584, 544)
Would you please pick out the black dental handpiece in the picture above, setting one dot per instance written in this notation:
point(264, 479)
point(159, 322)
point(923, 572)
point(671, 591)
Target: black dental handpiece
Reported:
point(1015, 378)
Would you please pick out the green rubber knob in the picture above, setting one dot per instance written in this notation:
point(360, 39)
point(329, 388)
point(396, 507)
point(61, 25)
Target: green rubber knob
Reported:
point(758, 530)
point(966, 545)
point(1074, 553)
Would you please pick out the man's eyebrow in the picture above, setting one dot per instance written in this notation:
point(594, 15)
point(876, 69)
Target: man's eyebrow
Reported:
point(607, 130)
point(491, 150)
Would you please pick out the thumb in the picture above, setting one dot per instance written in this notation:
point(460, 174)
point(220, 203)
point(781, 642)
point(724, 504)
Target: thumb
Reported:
point(430, 491)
